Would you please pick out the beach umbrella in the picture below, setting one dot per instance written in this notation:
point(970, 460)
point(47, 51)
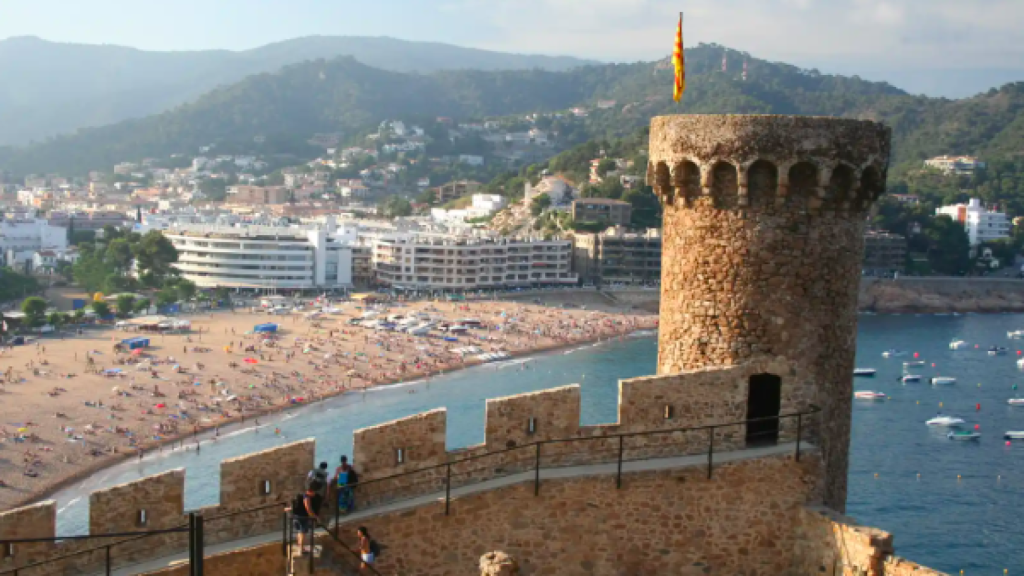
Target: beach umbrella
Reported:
point(161, 405)
point(251, 361)
point(137, 352)
point(22, 429)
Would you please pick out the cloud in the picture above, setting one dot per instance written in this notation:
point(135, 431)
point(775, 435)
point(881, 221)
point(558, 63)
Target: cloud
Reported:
point(911, 33)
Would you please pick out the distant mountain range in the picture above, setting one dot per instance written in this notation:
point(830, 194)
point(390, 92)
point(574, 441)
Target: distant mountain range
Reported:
point(344, 95)
point(51, 88)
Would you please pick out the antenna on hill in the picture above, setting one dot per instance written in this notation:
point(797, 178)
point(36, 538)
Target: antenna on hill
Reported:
point(744, 70)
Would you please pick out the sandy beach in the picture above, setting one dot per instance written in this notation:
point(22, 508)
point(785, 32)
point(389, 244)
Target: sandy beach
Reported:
point(73, 405)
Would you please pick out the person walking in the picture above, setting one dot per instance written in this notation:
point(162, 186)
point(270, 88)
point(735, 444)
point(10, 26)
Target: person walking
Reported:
point(345, 479)
point(305, 509)
point(319, 476)
point(368, 548)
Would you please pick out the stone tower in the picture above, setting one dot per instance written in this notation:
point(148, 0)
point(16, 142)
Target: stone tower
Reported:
point(763, 241)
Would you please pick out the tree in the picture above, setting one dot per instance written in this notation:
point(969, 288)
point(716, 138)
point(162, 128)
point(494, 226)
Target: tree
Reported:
point(395, 207)
point(102, 309)
point(34, 308)
point(78, 315)
point(141, 306)
point(66, 270)
point(119, 255)
point(186, 289)
point(223, 295)
point(154, 254)
point(124, 305)
point(57, 319)
point(605, 166)
point(948, 246)
point(539, 204)
point(167, 296)
point(646, 207)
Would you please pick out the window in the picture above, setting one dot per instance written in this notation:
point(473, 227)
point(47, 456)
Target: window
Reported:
point(531, 426)
point(400, 456)
point(669, 412)
point(264, 488)
point(142, 518)
point(7, 551)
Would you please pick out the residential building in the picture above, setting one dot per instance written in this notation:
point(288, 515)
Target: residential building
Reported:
point(561, 192)
point(607, 210)
point(483, 205)
point(455, 190)
point(421, 261)
point(89, 220)
point(471, 159)
point(265, 257)
point(981, 224)
point(616, 256)
point(884, 252)
point(905, 198)
point(29, 235)
point(959, 165)
point(257, 194)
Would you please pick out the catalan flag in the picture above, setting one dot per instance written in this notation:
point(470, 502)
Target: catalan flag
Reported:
point(679, 61)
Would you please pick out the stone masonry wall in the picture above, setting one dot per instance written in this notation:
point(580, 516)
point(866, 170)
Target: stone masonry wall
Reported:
point(667, 522)
point(262, 560)
point(763, 239)
point(555, 413)
point(421, 438)
point(36, 521)
point(835, 545)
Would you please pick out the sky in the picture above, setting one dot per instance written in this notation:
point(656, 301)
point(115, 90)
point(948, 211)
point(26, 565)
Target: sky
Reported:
point(940, 47)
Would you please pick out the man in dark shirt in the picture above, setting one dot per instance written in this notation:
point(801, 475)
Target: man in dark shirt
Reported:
point(305, 509)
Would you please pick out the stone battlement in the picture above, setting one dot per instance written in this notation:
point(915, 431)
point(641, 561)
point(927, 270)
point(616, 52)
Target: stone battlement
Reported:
point(691, 399)
point(769, 163)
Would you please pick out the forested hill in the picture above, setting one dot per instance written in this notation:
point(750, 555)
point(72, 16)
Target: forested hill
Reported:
point(343, 95)
point(54, 88)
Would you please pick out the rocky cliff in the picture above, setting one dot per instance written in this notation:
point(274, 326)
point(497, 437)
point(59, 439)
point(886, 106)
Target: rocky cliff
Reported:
point(942, 295)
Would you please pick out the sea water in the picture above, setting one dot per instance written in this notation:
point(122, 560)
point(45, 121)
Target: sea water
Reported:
point(960, 513)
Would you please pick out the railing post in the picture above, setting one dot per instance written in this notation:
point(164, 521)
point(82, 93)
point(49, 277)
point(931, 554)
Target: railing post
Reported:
point(284, 533)
point(191, 542)
point(107, 561)
point(312, 542)
point(536, 472)
point(448, 489)
point(711, 448)
point(197, 568)
point(618, 474)
point(799, 432)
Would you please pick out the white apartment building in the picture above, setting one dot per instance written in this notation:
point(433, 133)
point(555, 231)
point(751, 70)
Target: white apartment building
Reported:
point(483, 205)
point(981, 224)
point(29, 235)
point(960, 165)
point(421, 261)
point(265, 257)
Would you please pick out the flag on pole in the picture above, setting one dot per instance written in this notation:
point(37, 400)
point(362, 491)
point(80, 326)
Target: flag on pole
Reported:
point(679, 62)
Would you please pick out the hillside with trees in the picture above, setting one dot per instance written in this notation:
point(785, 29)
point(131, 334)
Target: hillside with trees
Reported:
point(343, 95)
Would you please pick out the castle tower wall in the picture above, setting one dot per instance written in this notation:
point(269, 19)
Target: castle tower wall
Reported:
point(763, 242)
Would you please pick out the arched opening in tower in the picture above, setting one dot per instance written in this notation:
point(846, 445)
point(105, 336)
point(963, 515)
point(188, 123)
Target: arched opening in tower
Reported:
point(764, 400)
point(762, 183)
point(724, 185)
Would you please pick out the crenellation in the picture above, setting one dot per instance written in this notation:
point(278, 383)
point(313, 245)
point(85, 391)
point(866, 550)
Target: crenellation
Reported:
point(244, 480)
point(35, 521)
point(403, 444)
point(533, 417)
point(150, 503)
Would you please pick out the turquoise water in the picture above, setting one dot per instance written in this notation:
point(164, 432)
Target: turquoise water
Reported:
point(949, 524)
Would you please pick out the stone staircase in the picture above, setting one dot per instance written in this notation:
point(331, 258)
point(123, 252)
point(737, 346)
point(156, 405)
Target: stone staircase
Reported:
point(329, 558)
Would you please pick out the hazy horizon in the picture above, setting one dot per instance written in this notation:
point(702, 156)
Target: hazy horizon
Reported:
point(935, 47)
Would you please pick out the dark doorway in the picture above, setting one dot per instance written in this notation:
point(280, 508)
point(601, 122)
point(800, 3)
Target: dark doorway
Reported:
point(764, 400)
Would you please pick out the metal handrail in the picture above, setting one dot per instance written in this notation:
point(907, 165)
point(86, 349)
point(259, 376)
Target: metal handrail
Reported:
point(813, 410)
point(107, 547)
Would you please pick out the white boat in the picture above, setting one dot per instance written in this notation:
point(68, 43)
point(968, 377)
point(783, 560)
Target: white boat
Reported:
point(893, 353)
point(949, 421)
point(997, 351)
point(964, 435)
point(1015, 401)
point(864, 372)
point(937, 380)
point(910, 363)
point(869, 395)
point(958, 345)
point(1015, 335)
point(911, 378)
point(421, 330)
point(1014, 435)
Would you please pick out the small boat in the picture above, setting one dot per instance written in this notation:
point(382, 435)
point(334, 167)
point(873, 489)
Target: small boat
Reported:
point(911, 378)
point(864, 372)
point(997, 351)
point(869, 395)
point(893, 353)
point(1015, 335)
point(949, 421)
point(910, 363)
point(1015, 401)
point(943, 380)
point(958, 345)
point(1014, 435)
point(964, 435)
